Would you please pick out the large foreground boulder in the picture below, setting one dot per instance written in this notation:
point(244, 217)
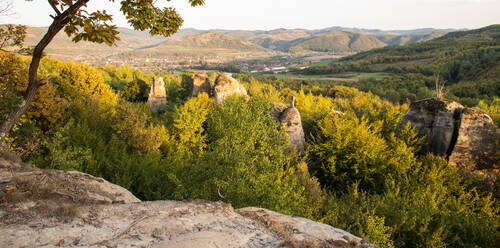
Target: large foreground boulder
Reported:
point(465, 136)
point(226, 86)
point(48, 208)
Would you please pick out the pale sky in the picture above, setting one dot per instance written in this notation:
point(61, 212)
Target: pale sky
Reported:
point(309, 14)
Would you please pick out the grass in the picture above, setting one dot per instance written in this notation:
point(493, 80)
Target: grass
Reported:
point(361, 75)
point(381, 67)
point(352, 76)
point(288, 76)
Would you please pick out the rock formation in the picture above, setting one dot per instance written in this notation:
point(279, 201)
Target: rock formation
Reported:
point(478, 141)
point(462, 135)
point(226, 86)
point(200, 84)
point(157, 94)
point(290, 119)
point(48, 208)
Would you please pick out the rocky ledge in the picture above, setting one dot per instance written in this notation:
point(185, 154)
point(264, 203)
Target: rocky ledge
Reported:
point(464, 136)
point(47, 208)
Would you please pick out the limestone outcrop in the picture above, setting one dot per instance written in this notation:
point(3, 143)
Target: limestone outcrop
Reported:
point(478, 141)
point(200, 83)
point(48, 208)
point(290, 119)
point(226, 86)
point(300, 232)
point(157, 94)
point(463, 135)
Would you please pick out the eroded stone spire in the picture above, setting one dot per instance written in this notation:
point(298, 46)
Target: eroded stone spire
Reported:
point(157, 94)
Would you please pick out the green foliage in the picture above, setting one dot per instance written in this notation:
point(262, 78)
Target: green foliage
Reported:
point(493, 109)
point(467, 61)
point(45, 113)
point(142, 15)
point(348, 150)
point(363, 172)
point(136, 91)
point(95, 27)
point(12, 35)
point(245, 158)
point(188, 124)
point(431, 207)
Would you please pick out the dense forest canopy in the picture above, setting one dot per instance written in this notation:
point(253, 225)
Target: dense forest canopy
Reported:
point(361, 172)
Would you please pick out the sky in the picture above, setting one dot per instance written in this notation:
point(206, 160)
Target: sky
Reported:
point(308, 14)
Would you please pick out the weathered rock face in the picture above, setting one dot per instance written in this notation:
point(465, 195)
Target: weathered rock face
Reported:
point(463, 135)
point(436, 120)
point(200, 84)
point(71, 185)
point(290, 120)
point(226, 86)
point(157, 94)
point(300, 232)
point(48, 208)
point(478, 141)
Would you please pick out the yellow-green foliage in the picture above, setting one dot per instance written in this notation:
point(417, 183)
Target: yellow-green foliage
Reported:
point(188, 124)
point(262, 90)
point(348, 150)
point(493, 109)
point(369, 177)
point(131, 126)
point(79, 81)
point(313, 109)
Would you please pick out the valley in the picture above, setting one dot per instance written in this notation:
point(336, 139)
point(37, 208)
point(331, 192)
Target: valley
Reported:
point(191, 48)
point(214, 137)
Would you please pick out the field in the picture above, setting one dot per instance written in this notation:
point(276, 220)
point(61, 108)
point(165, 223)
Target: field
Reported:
point(382, 67)
point(345, 77)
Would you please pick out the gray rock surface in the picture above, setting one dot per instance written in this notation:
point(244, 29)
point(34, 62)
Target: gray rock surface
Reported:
point(463, 135)
point(48, 208)
point(226, 86)
point(290, 119)
point(157, 94)
point(478, 141)
point(300, 232)
point(436, 120)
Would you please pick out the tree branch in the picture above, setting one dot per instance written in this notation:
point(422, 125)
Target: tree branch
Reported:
point(33, 83)
point(45, 80)
point(54, 7)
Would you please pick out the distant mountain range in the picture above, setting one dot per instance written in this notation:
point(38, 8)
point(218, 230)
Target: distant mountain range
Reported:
point(218, 43)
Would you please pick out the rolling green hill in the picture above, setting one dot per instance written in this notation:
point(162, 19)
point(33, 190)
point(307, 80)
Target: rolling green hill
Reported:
point(407, 38)
point(278, 39)
point(467, 62)
point(211, 40)
point(491, 32)
point(211, 46)
point(336, 41)
point(342, 42)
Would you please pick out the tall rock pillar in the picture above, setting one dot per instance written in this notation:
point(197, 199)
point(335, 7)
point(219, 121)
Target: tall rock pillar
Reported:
point(157, 94)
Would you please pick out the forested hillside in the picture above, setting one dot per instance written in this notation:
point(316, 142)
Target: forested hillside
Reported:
point(140, 45)
point(360, 173)
point(467, 62)
point(336, 41)
point(203, 46)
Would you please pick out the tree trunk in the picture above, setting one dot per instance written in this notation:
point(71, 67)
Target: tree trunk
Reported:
point(33, 83)
point(20, 108)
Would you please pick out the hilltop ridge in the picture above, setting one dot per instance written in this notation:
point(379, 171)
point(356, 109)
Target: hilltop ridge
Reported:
point(192, 44)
